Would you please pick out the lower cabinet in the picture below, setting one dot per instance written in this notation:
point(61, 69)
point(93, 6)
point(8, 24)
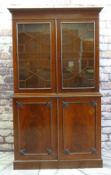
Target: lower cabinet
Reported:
point(55, 132)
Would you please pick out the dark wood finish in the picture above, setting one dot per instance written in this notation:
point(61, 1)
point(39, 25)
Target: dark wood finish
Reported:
point(36, 128)
point(78, 127)
point(60, 126)
point(92, 163)
point(51, 13)
point(56, 16)
point(57, 95)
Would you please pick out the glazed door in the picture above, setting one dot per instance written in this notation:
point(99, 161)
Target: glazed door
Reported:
point(35, 56)
point(79, 119)
point(36, 128)
point(76, 56)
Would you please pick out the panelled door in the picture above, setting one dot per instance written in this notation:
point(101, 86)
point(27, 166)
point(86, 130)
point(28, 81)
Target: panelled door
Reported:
point(36, 125)
point(78, 121)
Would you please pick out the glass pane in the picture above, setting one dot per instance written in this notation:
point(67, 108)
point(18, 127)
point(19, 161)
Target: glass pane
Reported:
point(77, 43)
point(34, 55)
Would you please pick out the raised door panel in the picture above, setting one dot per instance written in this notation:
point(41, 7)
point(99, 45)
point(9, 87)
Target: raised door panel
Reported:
point(35, 129)
point(79, 128)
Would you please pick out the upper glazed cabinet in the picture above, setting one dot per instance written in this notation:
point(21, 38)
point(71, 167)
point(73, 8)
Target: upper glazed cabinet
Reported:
point(56, 53)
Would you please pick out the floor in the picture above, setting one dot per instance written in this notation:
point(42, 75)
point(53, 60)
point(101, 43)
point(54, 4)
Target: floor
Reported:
point(6, 168)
